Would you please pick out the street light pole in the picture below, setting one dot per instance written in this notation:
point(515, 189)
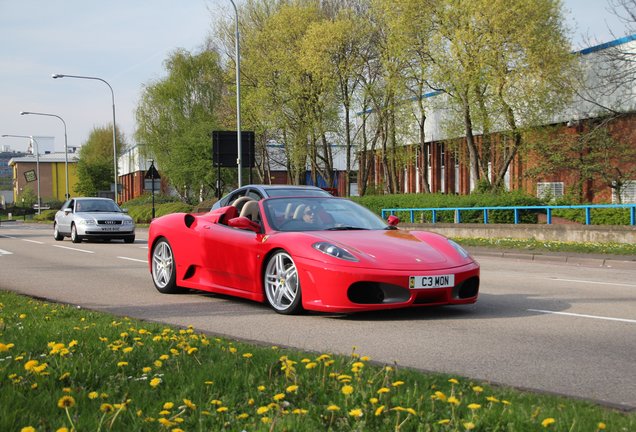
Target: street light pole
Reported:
point(238, 94)
point(37, 162)
point(66, 195)
point(112, 93)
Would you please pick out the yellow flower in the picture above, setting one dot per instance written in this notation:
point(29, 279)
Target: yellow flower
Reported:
point(311, 365)
point(242, 416)
point(128, 349)
point(601, 426)
point(66, 402)
point(347, 390)
point(216, 402)
point(365, 358)
point(474, 406)
point(300, 411)
point(356, 412)
point(262, 410)
point(266, 420)
point(64, 376)
point(453, 400)
point(379, 410)
point(6, 347)
point(492, 399)
point(358, 365)
point(146, 370)
point(168, 405)
point(93, 395)
point(62, 429)
point(221, 409)
point(440, 396)
point(164, 357)
point(192, 350)
point(333, 408)
point(478, 389)
point(443, 422)
point(122, 364)
point(383, 390)
point(27, 429)
point(166, 422)
point(291, 388)
point(30, 365)
point(397, 383)
point(453, 381)
point(469, 425)
point(248, 355)
point(547, 422)
point(374, 400)
point(279, 397)
point(189, 404)
point(22, 316)
point(155, 382)
point(260, 388)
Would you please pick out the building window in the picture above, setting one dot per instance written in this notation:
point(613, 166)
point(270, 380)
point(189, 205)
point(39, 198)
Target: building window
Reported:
point(549, 190)
point(628, 193)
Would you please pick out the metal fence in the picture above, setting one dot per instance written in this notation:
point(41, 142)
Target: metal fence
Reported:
point(547, 210)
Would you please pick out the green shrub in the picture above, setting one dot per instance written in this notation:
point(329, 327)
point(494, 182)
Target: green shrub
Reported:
point(604, 216)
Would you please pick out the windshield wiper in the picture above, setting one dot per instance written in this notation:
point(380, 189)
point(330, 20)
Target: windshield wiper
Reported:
point(390, 227)
point(345, 228)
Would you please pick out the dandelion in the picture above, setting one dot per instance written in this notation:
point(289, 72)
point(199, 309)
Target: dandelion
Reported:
point(478, 389)
point(64, 376)
point(397, 383)
point(22, 316)
point(333, 408)
point(189, 404)
point(168, 405)
point(492, 399)
point(453, 381)
point(216, 402)
point(356, 412)
point(374, 400)
point(62, 429)
point(347, 390)
point(440, 396)
point(469, 426)
point(164, 357)
point(155, 382)
point(165, 422)
point(6, 347)
point(242, 416)
point(311, 365)
point(248, 355)
point(547, 422)
point(66, 402)
point(443, 422)
point(221, 409)
point(122, 364)
point(93, 395)
point(383, 390)
point(291, 388)
point(601, 426)
point(260, 388)
point(278, 397)
point(474, 406)
point(379, 410)
point(266, 420)
point(28, 366)
point(262, 410)
point(27, 429)
point(195, 349)
point(128, 349)
point(146, 369)
point(453, 400)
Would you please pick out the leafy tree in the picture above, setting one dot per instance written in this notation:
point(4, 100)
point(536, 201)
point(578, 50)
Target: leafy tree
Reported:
point(95, 164)
point(175, 118)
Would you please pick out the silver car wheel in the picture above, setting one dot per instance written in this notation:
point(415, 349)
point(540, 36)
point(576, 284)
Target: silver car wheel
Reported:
point(74, 237)
point(282, 286)
point(56, 233)
point(163, 267)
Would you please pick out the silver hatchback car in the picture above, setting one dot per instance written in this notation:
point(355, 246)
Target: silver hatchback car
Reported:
point(93, 218)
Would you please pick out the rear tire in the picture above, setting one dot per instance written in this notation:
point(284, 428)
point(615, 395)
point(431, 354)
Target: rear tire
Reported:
point(56, 233)
point(74, 237)
point(130, 239)
point(163, 268)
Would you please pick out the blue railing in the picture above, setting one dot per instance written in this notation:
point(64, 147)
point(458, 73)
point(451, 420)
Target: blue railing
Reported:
point(515, 209)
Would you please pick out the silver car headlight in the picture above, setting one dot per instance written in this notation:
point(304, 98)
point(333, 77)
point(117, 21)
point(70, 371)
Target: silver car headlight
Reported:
point(334, 251)
point(127, 222)
point(459, 249)
point(86, 222)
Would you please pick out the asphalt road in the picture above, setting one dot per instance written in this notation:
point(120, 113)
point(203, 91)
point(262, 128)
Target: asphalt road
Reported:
point(552, 326)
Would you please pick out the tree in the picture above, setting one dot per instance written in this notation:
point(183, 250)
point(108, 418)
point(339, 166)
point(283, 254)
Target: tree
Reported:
point(505, 65)
point(175, 118)
point(95, 164)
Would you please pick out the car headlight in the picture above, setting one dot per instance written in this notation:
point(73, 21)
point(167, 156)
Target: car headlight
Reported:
point(86, 222)
point(459, 249)
point(127, 222)
point(334, 251)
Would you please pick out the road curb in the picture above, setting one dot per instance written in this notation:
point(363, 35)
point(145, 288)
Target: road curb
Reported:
point(576, 260)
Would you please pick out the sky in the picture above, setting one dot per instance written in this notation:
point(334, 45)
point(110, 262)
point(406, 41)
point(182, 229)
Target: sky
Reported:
point(125, 43)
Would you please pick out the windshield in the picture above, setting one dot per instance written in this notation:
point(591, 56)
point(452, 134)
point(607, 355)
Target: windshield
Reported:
point(96, 206)
point(318, 214)
point(279, 192)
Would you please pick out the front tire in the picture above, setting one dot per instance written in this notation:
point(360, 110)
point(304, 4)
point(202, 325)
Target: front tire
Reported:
point(164, 273)
point(56, 233)
point(74, 237)
point(129, 239)
point(282, 286)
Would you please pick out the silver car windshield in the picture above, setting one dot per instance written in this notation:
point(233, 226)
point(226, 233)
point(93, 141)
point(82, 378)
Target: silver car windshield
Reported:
point(96, 206)
point(319, 214)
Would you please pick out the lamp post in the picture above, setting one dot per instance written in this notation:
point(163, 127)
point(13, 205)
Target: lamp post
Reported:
point(37, 162)
point(112, 93)
point(238, 93)
point(66, 194)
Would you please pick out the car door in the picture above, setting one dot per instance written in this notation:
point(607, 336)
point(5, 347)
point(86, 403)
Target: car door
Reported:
point(66, 217)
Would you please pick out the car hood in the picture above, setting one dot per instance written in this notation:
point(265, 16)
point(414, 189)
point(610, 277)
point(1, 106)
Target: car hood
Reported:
point(103, 215)
point(396, 249)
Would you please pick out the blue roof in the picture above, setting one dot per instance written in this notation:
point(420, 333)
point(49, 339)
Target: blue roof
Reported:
point(606, 45)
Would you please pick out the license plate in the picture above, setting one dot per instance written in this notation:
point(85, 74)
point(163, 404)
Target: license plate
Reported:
point(427, 282)
point(110, 229)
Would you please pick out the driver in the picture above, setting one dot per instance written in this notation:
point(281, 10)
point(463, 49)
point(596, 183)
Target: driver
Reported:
point(309, 215)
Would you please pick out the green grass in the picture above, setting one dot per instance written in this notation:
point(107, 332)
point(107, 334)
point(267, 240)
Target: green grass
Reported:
point(65, 367)
point(550, 246)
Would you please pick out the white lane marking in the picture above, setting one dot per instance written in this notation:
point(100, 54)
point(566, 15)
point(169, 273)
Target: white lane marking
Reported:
point(583, 316)
point(4, 252)
point(591, 282)
point(73, 249)
point(32, 241)
point(133, 259)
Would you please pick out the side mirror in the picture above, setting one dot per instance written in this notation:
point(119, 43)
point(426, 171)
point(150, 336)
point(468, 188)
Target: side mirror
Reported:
point(68, 210)
point(393, 220)
point(244, 223)
point(124, 210)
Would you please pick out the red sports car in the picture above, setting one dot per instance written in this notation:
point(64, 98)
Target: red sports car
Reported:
point(315, 253)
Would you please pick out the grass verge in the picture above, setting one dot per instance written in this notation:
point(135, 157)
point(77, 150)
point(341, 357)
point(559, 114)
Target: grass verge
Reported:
point(550, 246)
point(64, 368)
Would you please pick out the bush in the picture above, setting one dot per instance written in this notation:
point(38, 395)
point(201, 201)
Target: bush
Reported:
point(606, 216)
point(377, 202)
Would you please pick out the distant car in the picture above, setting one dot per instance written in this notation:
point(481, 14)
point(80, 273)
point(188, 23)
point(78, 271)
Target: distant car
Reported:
point(93, 218)
point(316, 253)
point(258, 192)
